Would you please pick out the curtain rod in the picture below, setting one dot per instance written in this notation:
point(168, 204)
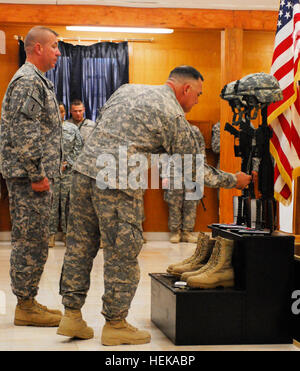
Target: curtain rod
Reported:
point(17, 37)
point(108, 39)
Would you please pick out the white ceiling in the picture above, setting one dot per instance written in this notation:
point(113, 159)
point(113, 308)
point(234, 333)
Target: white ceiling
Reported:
point(200, 4)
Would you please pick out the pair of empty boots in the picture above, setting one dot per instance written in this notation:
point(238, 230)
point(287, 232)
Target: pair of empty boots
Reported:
point(209, 267)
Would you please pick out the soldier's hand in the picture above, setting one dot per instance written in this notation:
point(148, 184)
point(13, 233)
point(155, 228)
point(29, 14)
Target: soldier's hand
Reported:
point(41, 186)
point(243, 180)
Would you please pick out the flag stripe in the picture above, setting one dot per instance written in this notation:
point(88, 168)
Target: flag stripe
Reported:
point(284, 69)
point(283, 116)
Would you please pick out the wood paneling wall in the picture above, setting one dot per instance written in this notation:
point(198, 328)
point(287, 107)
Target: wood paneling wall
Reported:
point(223, 45)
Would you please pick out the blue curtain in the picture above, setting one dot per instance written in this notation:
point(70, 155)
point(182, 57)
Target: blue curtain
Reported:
point(89, 73)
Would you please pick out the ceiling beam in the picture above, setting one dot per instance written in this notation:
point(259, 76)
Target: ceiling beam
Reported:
point(177, 18)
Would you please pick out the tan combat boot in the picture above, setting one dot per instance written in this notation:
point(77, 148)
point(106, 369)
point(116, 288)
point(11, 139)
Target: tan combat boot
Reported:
point(219, 274)
point(121, 332)
point(72, 325)
point(175, 237)
point(197, 260)
point(30, 313)
point(212, 261)
point(188, 237)
point(64, 239)
point(51, 242)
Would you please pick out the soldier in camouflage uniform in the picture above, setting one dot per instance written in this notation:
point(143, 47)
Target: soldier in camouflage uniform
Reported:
point(215, 144)
point(30, 155)
point(182, 212)
point(215, 141)
point(85, 126)
point(145, 120)
point(72, 145)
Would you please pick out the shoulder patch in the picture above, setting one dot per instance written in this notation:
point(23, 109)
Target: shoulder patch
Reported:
point(31, 107)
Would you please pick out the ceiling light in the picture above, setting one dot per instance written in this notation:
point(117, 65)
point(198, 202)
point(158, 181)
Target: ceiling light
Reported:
point(119, 29)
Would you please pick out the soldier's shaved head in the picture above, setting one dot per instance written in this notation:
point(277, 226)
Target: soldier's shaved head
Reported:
point(185, 72)
point(186, 83)
point(37, 34)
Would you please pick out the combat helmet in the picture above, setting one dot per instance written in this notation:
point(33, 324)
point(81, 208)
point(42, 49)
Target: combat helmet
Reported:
point(256, 90)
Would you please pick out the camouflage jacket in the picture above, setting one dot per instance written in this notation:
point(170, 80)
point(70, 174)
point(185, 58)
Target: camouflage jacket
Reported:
point(85, 128)
point(72, 142)
point(215, 138)
point(201, 143)
point(30, 127)
point(142, 119)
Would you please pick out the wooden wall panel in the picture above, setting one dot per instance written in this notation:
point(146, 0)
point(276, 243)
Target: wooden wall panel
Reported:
point(152, 63)
point(231, 67)
point(196, 41)
point(136, 17)
point(257, 51)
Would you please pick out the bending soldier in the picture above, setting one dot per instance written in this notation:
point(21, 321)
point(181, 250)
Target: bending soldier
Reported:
point(144, 119)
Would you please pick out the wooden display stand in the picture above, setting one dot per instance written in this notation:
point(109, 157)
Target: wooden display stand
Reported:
point(256, 311)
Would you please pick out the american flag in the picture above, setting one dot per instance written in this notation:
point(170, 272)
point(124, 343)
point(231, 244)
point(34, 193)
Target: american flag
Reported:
point(284, 116)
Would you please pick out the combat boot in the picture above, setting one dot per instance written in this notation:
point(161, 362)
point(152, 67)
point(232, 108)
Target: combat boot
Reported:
point(121, 332)
point(53, 311)
point(72, 325)
point(197, 260)
point(221, 274)
point(64, 238)
point(51, 242)
point(212, 261)
point(175, 237)
point(30, 313)
point(188, 237)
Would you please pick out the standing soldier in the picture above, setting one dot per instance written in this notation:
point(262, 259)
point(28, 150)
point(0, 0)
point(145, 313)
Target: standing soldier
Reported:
point(72, 145)
point(215, 141)
point(182, 211)
point(84, 125)
point(31, 154)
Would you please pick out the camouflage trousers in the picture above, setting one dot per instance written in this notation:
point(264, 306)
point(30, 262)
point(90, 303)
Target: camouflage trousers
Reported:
point(118, 217)
point(55, 208)
point(29, 213)
point(182, 212)
point(60, 205)
point(65, 186)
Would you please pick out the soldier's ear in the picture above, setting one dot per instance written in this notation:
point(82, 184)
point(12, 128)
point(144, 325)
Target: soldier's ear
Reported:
point(38, 48)
point(186, 87)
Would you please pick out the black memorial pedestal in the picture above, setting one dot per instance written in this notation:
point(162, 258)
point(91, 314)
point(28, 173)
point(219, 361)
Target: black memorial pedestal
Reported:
point(256, 311)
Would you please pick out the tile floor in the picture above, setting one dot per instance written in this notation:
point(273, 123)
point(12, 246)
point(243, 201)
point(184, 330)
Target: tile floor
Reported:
point(155, 257)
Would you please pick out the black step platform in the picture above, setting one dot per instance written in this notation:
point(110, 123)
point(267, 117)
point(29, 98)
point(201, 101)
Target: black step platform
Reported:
point(256, 311)
point(296, 301)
